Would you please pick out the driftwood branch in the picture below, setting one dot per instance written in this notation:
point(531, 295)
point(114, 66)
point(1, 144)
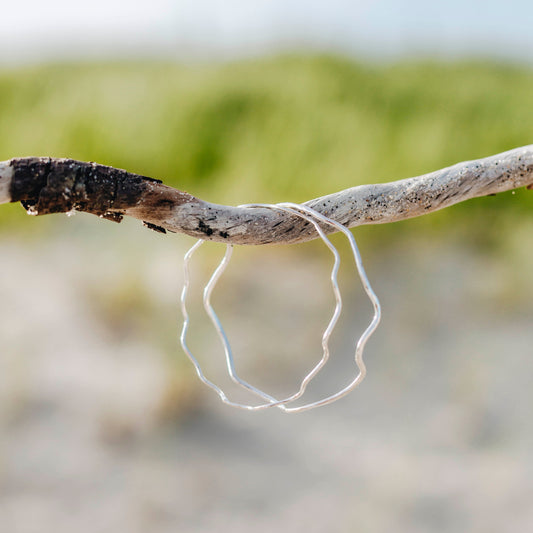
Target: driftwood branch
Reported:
point(45, 185)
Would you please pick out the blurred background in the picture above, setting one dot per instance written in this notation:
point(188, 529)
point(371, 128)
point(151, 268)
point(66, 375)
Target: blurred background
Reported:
point(103, 425)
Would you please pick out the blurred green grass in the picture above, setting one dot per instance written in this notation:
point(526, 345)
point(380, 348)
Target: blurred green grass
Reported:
point(277, 129)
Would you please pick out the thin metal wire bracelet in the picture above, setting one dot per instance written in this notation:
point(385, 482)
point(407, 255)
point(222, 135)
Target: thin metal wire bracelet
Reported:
point(314, 217)
point(272, 402)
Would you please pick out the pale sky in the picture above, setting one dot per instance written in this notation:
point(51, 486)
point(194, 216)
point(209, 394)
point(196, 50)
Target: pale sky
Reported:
point(35, 30)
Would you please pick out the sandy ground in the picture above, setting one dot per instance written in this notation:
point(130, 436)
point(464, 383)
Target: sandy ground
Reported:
point(103, 427)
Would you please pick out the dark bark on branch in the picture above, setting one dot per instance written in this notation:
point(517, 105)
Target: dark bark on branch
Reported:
point(45, 185)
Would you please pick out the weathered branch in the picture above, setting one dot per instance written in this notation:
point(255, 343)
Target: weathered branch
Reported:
point(45, 185)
